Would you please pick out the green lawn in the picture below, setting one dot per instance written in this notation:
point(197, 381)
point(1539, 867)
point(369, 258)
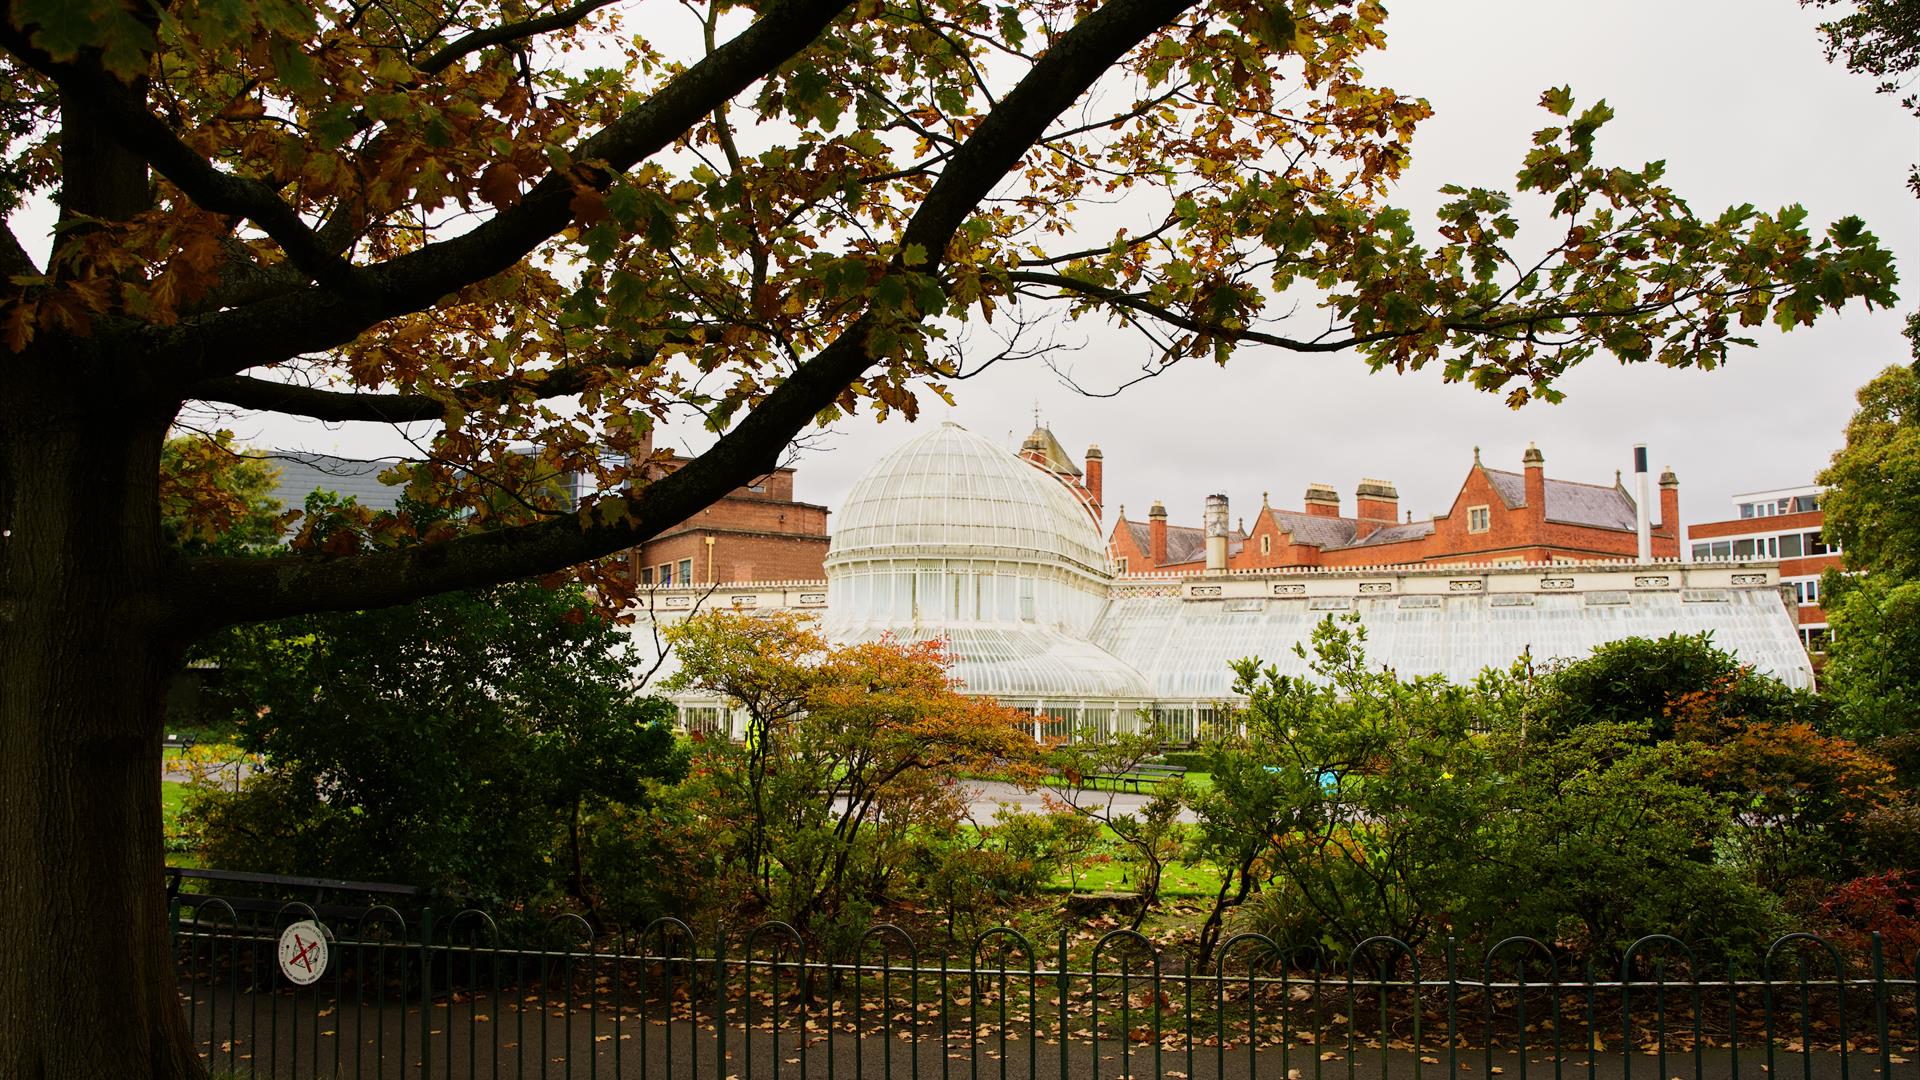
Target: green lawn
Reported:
point(1178, 879)
point(173, 796)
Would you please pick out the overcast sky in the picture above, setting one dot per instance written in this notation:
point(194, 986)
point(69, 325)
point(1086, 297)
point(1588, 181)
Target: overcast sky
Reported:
point(1734, 94)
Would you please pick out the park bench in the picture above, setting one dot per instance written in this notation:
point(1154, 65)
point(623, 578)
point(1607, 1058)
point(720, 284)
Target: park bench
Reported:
point(1137, 779)
point(177, 742)
point(1151, 774)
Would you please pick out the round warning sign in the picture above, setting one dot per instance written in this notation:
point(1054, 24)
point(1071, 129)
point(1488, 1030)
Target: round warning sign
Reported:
point(303, 952)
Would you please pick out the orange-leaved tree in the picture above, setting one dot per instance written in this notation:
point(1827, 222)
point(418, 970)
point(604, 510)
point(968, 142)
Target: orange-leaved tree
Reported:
point(553, 222)
point(848, 750)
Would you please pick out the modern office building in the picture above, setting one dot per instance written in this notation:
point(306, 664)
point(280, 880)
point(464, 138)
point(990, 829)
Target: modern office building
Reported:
point(1784, 525)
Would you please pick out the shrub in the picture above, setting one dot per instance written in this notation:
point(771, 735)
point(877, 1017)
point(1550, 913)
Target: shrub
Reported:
point(1887, 904)
point(1663, 682)
point(455, 744)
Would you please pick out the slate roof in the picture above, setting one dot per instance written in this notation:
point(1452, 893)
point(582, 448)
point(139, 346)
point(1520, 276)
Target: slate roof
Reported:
point(1185, 543)
point(303, 473)
point(1057, 457)
point(1393, 534)
point(1321, 532)
point(1569, 502)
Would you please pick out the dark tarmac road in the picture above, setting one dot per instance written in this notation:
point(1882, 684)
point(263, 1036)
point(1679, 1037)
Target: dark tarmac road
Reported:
point(284, 1035)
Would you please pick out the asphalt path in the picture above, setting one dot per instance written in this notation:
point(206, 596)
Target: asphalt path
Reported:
point(284, 1035)
point(989, 796)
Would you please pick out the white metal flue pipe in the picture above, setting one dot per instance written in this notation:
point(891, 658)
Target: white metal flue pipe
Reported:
point(1641, 520)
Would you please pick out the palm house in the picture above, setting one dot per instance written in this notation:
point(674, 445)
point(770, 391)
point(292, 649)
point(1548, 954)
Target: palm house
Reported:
point(952, 536)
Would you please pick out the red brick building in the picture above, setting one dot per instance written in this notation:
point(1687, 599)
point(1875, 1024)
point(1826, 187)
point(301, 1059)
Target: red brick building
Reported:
point(754, 533)
point(1497, 517)
point(1784, 524)
point(1042, 449)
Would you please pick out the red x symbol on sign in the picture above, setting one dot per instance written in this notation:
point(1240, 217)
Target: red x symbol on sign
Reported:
point(304, 957)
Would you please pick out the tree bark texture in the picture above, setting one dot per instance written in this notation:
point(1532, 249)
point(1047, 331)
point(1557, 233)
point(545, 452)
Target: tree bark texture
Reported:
point(87, 979)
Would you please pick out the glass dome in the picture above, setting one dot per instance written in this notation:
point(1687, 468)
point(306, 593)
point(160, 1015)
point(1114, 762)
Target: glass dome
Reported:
point(951, 493)
point(952, 537)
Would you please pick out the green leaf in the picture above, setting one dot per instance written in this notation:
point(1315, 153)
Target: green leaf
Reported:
point(1558, 101)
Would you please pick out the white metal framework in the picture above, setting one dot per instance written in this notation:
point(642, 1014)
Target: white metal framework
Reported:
point(955, 538)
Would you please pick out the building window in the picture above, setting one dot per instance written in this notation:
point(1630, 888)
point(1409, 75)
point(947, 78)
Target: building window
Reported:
point(666, 573)
point(1805, 503)
point(1266, 545)
point(1123, 564)
point(1807, 592)
point(686, 571)
point(1790, 547)
point(1479, 519)
point(646, 575)
point(758, 487)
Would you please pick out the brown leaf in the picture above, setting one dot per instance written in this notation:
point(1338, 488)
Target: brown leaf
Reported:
point(500, 183)
point(589, 206)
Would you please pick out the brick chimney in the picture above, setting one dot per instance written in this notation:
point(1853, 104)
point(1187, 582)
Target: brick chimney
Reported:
point(1096, 472)
point(1376, 500)
point(1535, 465)
point(1157, 534)
point(1322, 500)
point(1670, 503)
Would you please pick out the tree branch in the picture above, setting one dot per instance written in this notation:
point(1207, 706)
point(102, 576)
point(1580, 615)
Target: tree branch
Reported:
point(209, 591)
point(315, 319)
point(128, 122)
point(342, 406)
point(13, 257)
point(505, 33)
point(1120, 298)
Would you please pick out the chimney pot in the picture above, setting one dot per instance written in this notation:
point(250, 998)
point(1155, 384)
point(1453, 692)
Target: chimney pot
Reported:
point(1376, 500)
point(1322, 501)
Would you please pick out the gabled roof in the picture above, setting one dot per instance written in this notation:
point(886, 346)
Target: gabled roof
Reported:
point(1057, 457)
point(1185, 543)
point(1569, 502)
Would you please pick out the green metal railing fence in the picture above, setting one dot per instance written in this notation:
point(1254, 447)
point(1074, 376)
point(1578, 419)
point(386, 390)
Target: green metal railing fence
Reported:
point(454, 997)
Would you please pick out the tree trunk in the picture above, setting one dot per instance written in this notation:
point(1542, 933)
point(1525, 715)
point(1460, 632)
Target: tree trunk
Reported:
point(87, 979)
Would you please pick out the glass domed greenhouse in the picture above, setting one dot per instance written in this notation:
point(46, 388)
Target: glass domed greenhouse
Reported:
point(951, 536)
